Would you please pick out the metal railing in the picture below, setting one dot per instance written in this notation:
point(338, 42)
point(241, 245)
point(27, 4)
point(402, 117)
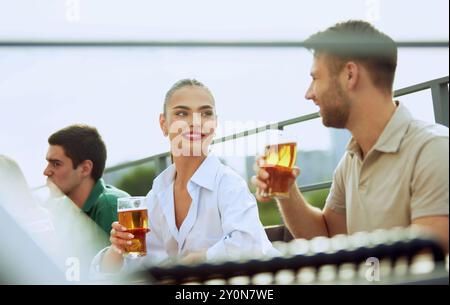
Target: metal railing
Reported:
point(190, 43)
point(439, 95)
point(439, 87)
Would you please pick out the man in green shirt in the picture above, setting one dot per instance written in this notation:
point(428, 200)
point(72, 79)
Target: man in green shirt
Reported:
point(76, 159)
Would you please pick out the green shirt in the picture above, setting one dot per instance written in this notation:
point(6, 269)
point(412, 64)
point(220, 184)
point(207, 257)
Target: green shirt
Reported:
point(101, 205)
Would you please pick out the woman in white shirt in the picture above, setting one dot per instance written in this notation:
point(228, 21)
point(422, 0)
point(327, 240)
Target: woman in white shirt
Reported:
point(199, 209)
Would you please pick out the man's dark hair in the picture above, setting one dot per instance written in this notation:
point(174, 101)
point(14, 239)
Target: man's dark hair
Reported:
point(80, 143)
point(359, 41)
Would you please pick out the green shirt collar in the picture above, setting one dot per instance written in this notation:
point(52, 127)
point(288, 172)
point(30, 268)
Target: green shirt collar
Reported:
point(97, 190)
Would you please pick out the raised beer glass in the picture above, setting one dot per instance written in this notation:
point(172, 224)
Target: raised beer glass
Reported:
point(279, 161)
point(132, 214)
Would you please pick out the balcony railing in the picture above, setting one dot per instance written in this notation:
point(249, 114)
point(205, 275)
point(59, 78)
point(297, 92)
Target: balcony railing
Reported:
point(439, 95)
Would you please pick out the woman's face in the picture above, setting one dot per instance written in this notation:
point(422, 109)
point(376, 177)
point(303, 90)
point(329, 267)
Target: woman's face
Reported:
point(190, 121)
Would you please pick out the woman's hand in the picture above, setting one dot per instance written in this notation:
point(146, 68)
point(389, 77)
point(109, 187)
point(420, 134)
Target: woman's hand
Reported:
point(194, 257)
point(112, 259)
point(119, 238)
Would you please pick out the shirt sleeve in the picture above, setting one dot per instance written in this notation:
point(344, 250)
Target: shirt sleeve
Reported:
point(155, 248)
point(94, 271)
point(336, 198)
point(429, 186)
point(244, 235)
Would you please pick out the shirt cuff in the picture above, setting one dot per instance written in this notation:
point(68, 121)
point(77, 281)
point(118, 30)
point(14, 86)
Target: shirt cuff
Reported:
point(217, 252)
point(336, 208)
point(94, 271)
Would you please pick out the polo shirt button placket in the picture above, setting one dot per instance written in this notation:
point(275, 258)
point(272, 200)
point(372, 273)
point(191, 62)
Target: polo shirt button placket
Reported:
point(362, 187)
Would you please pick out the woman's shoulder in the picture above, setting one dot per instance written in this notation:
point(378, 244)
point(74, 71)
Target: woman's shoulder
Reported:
point(228, 177)
point(151, 200)
point(163, 179)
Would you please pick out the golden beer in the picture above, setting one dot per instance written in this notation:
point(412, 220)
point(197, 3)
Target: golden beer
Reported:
point(136, 222)
point(280, 159)
point(133, 215)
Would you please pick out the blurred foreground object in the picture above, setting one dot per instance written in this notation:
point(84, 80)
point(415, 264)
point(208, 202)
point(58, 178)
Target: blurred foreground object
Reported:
point(46, 238)
point(396, 256)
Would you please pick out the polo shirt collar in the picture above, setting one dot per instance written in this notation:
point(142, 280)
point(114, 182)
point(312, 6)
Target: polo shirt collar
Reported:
point(97, 190)
point(392, 135)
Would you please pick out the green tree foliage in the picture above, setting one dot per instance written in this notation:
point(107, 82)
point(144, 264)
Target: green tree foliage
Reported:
point(138, 181)
point(269, 213)
point(317, 198)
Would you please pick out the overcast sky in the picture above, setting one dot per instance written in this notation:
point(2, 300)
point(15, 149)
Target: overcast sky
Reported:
point(120, 91)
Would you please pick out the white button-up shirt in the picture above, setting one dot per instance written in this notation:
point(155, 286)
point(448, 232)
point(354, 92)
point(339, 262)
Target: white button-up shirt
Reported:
point(222, 219)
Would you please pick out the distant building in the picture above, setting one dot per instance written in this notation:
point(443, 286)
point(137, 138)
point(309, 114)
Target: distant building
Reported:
point(339, 141)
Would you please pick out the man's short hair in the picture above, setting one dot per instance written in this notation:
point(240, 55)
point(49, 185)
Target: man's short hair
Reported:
point(359, 41)
point(80, 143)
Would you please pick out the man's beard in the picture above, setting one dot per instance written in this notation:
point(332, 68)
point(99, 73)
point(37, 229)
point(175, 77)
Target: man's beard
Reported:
point(336, 108)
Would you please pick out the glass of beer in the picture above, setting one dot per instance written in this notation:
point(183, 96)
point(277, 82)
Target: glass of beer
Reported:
point(132, 214)
point(279, 161)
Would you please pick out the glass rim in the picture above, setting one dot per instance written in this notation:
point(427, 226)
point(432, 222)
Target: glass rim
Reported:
point(131, 203)
point(282, 143)
point(131, 198)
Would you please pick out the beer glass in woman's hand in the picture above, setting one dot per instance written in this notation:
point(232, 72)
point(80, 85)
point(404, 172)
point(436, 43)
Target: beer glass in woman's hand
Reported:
point(132, 214)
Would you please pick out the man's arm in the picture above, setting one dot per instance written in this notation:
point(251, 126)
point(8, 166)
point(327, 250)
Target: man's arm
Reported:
point(306, 221)
point(302, 219)
point(429, 186)
point(435, 225)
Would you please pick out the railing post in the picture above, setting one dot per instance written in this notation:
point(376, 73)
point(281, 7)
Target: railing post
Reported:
point(160, 164)
point(439, 94)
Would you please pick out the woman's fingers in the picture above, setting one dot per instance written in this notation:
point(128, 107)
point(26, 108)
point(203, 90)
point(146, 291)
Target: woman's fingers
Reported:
point(118, 227)
point(119, 242)
point(119, 238)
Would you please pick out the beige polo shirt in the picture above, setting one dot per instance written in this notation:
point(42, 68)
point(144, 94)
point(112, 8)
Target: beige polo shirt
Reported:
point(403, 177)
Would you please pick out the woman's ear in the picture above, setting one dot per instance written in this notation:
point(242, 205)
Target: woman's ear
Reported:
point(163, 124)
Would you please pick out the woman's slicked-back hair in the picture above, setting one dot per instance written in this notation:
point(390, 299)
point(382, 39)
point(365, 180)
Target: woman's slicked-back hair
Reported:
point(187, 82)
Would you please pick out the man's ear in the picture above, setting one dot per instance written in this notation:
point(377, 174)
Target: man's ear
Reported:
point(163, 124)
point(351, 74)
point(86, 167)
